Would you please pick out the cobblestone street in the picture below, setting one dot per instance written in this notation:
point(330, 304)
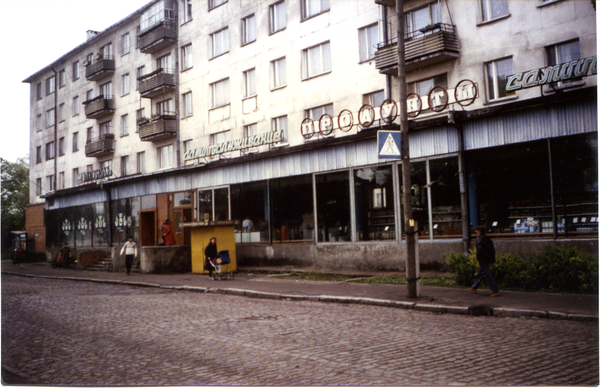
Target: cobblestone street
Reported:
point(58, 332)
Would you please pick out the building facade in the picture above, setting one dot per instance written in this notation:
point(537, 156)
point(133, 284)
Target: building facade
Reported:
point(267, 113)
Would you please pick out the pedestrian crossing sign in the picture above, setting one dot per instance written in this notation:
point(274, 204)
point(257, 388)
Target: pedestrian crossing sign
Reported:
point(388, 144)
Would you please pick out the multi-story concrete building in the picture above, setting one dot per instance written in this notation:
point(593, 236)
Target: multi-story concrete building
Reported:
point(265, 114)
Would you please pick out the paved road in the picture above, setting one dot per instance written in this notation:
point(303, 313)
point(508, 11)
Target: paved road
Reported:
point(61, 332)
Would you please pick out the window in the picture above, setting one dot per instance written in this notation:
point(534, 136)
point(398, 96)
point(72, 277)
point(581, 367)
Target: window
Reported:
point(124, 163)
point(89, 134)
point(250, 130)
point(154, 15)
point(38, 186)
point(50, 85)
point(50, 151)
point(61, 112)
point(249, 83)
point(249, 207)
point(187, 145)
point(75, 176)
point(165, 157)
point(61, 180)
point(39, 123)
point(333, 207)
point(497, 74)
point(218, 138)
point(50, 118)
point(140, 115)
point(61, 146)
point(76, 105)
point(219, 43)
point(492, 9)
point(187, 59)
point(220, 93)
point(248, 30)
point(38, 88)
point(316, 60)
point(374, 203)
point(125, 44)
point(368, 37)
point(164, 63)
point(164, 108)
point(423, 87)
point(105, 128)
point(317, 112)
point(280, 124)
point(125, 84)
point(124, 125)
point(278, 73)
point(106, 51)
point(562, 53)
point(62, 78)
point(418, 21)
point(374, 99)
point(75, 142)
point(187, 104)
point(312, 8)
point(75, 70)
point(139, 73)
point(187, 11)
point(292, 217)
point(215, 3)
point(38, 154)
point(89, 95)
point(141, 162)
point(106, 90)
point(277, 17)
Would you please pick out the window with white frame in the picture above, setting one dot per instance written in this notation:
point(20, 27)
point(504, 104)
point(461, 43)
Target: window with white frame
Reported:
point(75, 177)
point(61, 112)
point(165, 157)
point(50, 118)
point(493, 9)
point(368, 38)
point(89, 134)
point(497, 73)
point(419, 20)
point(139, 73)
point(106, 90)
point(187, 106)
point(316, 60)
point(276, 17)
point(215, 3)
point(76, 105)
point(374, 99)
point(165, 107)
point(220, 93)
point(106, 165)
point(187, 145)
point(61, 146)
point(218, 138)
point(75, 142)
point(423, 87)
point(219, 43)
point(124, 163)
point(50, 85)
point(187, 11)
point(248, 29)
point(250, 130)
point(125, 84)
point(124, 125)
point(562, 53)
point(281, 124)
point(249, 83)
point(187, 59)
point(278, 73)
point(316, 112)
point(89, 95)
point(164, 63)
point(50, 151)
point(125, 44)
point(312, 8)
point(62, 78)
point(75, 70)
point(107, 51)
point(141, 162)
point(38, 186)
point(50, 183)
point(105, 128)
point(61, 180)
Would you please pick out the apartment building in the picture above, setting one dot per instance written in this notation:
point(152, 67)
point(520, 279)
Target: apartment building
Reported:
point(266, 113)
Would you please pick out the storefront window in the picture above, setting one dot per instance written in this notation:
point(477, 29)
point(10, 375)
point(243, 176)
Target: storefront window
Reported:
point(182, 199)
point(249, 208)
point(205, 205)
point(333, 207)
point(420, 203)
point(100, 228)
point(119, 221)
point(374, 203)
point(292, 209)
point(149, 202)
point(444, 187)
point(213, 204)
point(222, 204)
point(83, 226)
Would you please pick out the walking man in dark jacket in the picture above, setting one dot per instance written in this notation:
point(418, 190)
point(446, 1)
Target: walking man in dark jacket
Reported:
point(486, 256)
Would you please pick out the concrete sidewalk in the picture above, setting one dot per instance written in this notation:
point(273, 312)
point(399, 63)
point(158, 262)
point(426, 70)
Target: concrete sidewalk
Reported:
point(251, 284)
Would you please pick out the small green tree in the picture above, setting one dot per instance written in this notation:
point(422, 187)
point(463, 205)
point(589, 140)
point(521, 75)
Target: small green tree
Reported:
point(15, 198)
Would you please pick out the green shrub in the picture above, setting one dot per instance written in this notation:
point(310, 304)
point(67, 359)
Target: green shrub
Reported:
point(463, 266)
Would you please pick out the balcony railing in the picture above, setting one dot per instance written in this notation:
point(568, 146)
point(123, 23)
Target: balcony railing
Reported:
point(103, 145)
point(99, 107)
point(157, 82)
point(430, 45)
point(157, 37)
point(99, 69)
point(158, 128)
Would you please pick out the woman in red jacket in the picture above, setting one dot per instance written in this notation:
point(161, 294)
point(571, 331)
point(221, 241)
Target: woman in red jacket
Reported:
point(168, 234)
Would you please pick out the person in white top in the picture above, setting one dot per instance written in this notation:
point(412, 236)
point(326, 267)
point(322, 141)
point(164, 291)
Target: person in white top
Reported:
point(130, 250)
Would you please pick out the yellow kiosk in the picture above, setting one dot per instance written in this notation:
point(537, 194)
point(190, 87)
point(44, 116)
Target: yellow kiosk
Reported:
point(200, 234)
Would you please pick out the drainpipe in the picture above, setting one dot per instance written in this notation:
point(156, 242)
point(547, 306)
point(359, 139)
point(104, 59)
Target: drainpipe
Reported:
point(384, 38)
point(177, 49)
point(55, 126)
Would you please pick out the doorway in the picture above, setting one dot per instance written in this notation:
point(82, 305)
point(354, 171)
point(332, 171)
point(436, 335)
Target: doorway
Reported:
point(148, 228)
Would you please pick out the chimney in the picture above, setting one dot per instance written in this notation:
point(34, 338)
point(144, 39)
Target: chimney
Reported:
point(91, 34)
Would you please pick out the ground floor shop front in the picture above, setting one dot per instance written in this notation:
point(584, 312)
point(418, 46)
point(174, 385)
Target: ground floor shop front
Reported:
point(530, 175)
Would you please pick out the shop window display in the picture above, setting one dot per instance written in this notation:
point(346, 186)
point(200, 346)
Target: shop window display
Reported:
point(374, 203)
point(333, 206)
point(292, 209)
point(249, 207)
point(420, 205)
point(444, 188)
point(100, 226)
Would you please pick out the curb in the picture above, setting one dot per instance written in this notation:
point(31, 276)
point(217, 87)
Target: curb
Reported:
point(498, 312)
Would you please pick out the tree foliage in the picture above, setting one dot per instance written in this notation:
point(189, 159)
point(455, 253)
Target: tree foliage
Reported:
point(15, 197)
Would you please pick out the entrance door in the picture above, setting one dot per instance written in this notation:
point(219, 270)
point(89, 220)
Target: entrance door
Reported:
point(147, 228)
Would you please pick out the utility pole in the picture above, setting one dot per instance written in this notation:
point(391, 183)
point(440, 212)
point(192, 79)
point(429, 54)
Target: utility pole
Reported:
point(412, 266)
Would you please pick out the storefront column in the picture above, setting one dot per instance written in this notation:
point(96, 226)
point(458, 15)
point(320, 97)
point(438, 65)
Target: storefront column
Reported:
point(553, 205)
point(466, 230)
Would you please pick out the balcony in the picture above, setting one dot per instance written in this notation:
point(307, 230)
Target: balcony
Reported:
point(98, 147)
point(99, 107)
point(389, 3)
point(430, 45)
point(158, 128)
point(157, 83)
point(157, 37)
point(101, 68)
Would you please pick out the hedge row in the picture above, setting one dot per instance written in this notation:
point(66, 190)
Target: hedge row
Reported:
point(555, 269)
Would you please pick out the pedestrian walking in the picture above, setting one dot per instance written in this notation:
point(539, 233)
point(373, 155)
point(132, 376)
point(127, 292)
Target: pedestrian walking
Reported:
point(168, 234)
point(486, 256)
point(19, 255)
point(210, 253)
point(65, 256)
point(130, 250)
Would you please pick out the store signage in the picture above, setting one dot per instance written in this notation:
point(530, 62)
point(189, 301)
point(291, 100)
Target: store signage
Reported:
point(235, 145)
point(98, 174)
point(563, 72)
point(437, 100)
